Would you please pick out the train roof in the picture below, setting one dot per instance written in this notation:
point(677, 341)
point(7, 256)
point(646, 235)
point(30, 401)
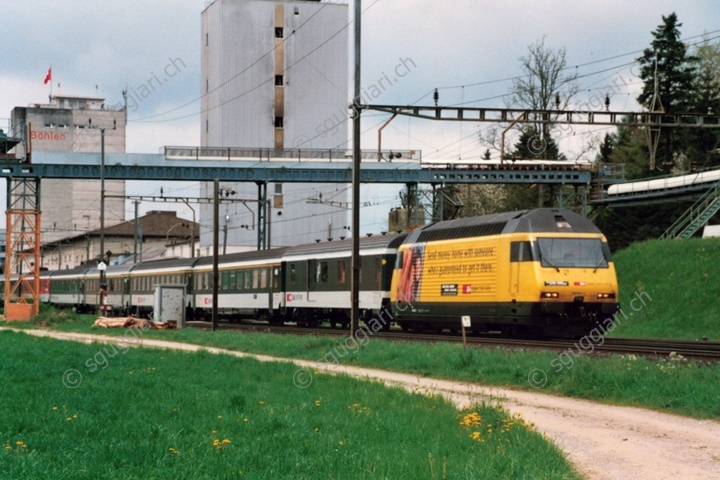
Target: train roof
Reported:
point(387, 241)
point(68, 272)
point(165, 263)
point(249, 256)
point(541, 220)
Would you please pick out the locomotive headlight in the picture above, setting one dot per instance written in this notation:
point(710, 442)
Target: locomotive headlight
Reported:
point(549, 295)
point(605, 295)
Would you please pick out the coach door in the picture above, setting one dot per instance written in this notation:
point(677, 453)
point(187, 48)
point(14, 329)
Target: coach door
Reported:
point(312, 280)
point(519, 252)
point(274, 287)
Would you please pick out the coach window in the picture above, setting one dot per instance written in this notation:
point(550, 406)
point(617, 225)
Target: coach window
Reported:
point(377, 270)
point(256, 278)
point(323, 273)
point(276, 278)
point(263, 277)
point(292, 272)
point(248, 279)
point(341, 271)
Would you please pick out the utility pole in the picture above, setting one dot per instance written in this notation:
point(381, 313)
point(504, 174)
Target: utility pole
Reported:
point(215, 272)
point(102, 204)
point(102, 197)
point(355, 255)
point(137, 233)
point(225, 229)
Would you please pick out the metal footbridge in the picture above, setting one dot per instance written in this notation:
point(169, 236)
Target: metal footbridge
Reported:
point(702, 186)
point(263, 166)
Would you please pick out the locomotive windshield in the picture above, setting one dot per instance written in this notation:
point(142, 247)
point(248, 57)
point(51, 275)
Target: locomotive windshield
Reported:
point(573, 253)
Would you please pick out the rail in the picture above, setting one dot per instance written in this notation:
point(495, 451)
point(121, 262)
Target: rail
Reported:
point(709, 350)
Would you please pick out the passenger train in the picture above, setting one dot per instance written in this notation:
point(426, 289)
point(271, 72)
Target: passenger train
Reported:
point(538, 272)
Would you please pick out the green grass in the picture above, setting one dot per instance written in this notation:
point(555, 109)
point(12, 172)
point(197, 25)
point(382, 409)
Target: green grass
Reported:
point(674, 385)
point(679, 277)
point(155, 414)
point(683, 279)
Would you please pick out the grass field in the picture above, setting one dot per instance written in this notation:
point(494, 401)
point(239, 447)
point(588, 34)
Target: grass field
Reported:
point(156, 414)
point(669, 384)
point(683, 279)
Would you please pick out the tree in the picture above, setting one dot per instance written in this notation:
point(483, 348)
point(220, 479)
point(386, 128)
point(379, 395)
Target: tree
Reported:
point(531, 145)
point(667, 68)
point(704, 144)
point(543, 86)
point(606, 149)
point(629, 148)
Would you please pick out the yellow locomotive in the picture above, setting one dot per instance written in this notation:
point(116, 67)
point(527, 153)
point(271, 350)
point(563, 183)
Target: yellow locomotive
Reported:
point(544, 272)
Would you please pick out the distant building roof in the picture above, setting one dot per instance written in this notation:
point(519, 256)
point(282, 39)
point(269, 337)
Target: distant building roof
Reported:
point(157, 223)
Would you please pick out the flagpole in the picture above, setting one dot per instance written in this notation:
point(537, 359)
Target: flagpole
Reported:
point(51, 83)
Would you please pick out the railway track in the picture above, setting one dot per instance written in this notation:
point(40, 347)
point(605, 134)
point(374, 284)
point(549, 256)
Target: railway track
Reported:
point(632, 346)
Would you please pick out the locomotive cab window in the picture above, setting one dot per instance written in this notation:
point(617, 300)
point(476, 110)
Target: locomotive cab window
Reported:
point(573, 253)
point(521, 252)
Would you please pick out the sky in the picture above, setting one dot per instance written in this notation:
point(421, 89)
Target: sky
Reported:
point(469, 49)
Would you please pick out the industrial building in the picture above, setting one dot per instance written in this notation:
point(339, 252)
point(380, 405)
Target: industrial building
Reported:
point(274, 79)
point(72, 124)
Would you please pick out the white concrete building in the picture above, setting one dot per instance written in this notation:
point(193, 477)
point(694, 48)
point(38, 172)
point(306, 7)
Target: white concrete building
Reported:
point(275, 77)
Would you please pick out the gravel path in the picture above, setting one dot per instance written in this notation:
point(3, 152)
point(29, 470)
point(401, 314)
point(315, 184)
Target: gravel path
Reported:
point(603, 442)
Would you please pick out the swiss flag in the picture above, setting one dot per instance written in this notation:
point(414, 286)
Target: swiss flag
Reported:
point(48, 77)
point(466, 289)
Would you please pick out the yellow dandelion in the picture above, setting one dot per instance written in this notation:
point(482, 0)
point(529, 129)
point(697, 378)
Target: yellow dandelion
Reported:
point(219, 416)
point(214, 432)
point(245, 419)
point(69, 419)
point(317, 429)
point(54, 408)
point(262, 403)
point(226, 441)
point(471, 420)
point(341, 443)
